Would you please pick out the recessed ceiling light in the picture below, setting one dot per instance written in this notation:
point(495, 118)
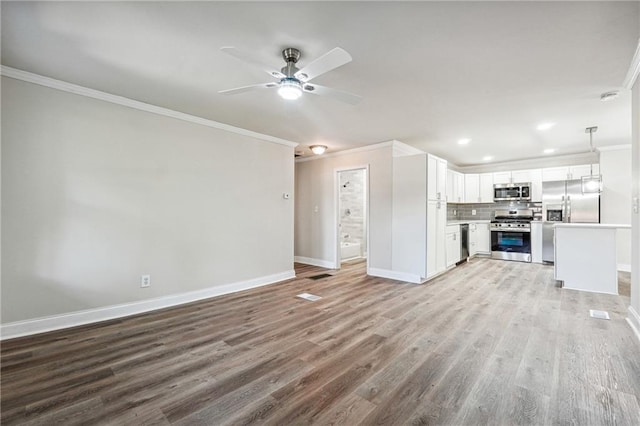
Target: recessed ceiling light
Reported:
point(609, 96)
point(318, 149)
point(464, 141)
point(545, 126)
point(487, 158)
point(549, 151)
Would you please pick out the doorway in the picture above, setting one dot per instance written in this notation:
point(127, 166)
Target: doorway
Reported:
point(352, 215)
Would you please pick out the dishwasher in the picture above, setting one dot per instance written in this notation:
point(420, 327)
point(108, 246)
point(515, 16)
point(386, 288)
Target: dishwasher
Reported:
point(464, 242)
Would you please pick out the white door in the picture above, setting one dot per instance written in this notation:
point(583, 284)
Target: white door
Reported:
point(484, 238)
point(441, 224)
point(473, 239)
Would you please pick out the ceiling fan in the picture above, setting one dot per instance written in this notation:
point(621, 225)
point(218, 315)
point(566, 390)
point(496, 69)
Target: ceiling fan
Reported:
point(293, 82)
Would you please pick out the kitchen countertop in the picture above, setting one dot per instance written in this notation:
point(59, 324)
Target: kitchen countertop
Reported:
point(591, 225)
point(462, 222)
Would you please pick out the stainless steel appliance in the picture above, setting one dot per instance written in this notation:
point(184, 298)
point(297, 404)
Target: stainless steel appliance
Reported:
point(464, 241)
point(512, 192)
point(511, 235)
point(563, 201)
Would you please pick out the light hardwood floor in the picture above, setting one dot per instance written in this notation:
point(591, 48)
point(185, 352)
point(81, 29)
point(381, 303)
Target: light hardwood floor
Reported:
point(491, 342)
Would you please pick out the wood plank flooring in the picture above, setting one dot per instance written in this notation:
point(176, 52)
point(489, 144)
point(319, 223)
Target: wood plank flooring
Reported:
point(491, 342)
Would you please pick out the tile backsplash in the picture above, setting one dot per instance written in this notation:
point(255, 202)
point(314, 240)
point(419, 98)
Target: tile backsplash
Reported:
point(483, 211)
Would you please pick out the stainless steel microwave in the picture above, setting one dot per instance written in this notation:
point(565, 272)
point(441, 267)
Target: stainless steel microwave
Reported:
point(512, 192)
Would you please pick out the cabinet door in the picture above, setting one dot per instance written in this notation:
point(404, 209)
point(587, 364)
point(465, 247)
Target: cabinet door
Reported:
point(536, 185)
point(450, 249)
point(459, 194)
point(441, 180)
point(576, 172)
point(502, 177)
point(555, 173)
point(441, 225)
point(486, 187)
point(451, 190)
point(484, 238)
point(432, 177)
point(521, 176)
point(536, 242)
point(432, 238)
point(473, 239)
point(471, 188)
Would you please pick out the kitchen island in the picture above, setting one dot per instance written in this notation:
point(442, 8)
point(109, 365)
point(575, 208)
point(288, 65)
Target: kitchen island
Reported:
point(585, 256)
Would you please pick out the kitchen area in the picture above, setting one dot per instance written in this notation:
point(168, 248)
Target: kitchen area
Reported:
point(547, 215)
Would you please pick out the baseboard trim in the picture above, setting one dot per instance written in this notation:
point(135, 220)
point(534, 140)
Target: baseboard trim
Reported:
point(89, 316)
point(624, 267)
point(634, 321)
point(314, 262)
point(394, 275)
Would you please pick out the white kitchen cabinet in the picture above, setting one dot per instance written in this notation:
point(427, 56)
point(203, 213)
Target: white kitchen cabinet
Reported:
point(453, 252)
point(436, 178)
point(418, 224)
point(471, 188)
point(483, 236)
point(455, 187)
point(568, 173)
point(555, 173)
point(576, 172)
point(502, 177)
point(532, 176)
point(486, 187)
point(473, 239)
point(536, 242)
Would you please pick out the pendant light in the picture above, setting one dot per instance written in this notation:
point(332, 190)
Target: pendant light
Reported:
point(591, 184)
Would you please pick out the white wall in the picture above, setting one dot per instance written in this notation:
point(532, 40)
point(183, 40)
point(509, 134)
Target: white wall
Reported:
point(315, 232)
point(634, 308)
point(95, 194)
point(615, 200)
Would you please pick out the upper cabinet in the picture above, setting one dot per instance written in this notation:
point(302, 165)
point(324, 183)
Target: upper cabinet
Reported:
point(455, 187)
point(436, 178)
point(478, 188)
point(532, 176)
point(568, 173)
point(502, 177)
point(471, 188)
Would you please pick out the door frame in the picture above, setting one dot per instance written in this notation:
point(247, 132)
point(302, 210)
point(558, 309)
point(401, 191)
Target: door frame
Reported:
point(336, 212)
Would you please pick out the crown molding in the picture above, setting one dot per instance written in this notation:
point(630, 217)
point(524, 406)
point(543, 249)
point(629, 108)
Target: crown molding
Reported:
point(614, 147)
point(401, 149)
point(634, 69)
point(120, 100)
point(533, 163)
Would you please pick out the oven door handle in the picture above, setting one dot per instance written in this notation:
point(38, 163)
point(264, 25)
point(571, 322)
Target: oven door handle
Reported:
point(528, 231)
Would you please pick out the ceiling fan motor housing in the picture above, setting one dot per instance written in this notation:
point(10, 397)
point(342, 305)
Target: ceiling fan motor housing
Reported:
point(291, 56)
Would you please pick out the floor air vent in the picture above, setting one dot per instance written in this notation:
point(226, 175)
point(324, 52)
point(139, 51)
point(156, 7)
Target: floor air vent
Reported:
point(599, 314)
point(309, 296)
point(319, 277)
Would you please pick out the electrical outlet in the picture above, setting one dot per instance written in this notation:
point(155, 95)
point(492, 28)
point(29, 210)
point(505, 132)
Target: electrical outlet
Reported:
point(145, 281)
point(473, 212)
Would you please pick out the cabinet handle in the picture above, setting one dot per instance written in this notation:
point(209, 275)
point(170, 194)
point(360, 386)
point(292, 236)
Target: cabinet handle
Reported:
point(438, 196)
point(454, 237)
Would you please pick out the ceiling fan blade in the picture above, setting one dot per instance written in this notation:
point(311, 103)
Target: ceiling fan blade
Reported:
point(340, 95)
point(248, 88)
point(245, 57)
point(325, 63)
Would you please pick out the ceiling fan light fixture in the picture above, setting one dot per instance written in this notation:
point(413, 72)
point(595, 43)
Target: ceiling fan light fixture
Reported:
point(318, 149)
point(290, 89)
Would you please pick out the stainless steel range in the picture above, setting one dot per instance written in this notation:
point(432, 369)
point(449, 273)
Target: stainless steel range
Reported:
point(511, 234)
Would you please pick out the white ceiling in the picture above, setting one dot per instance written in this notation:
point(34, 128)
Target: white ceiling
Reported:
point(430, 72)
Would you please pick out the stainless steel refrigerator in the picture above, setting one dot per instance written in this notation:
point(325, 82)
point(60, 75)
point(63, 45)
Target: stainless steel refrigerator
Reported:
point(563, 201)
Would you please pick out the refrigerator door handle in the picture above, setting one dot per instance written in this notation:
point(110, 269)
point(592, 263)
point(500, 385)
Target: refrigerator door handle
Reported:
point(564, 212)
point(568, 208)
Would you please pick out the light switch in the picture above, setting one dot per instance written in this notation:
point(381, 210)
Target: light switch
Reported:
point(636, 204)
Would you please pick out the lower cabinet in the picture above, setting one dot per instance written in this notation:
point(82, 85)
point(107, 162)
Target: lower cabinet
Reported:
point(453, 245)
point(483, 238)
point(473, 239)
point(536, 242)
